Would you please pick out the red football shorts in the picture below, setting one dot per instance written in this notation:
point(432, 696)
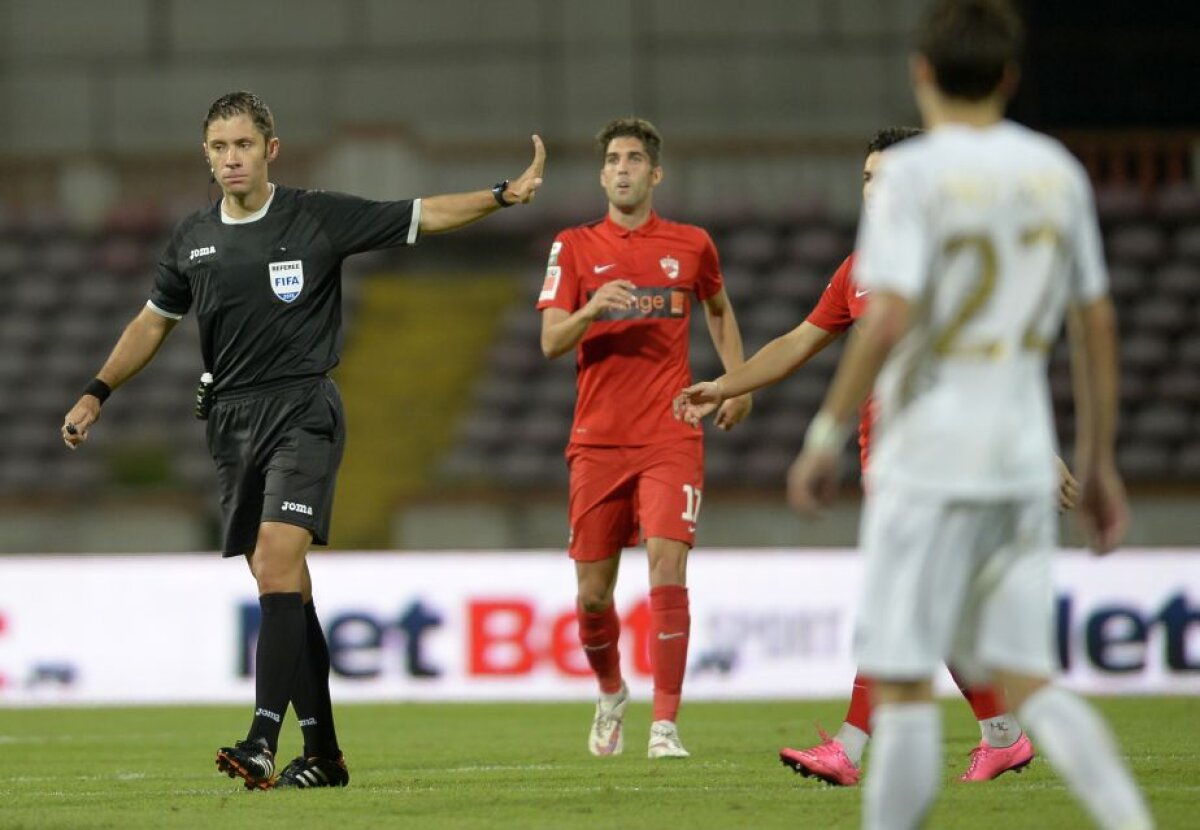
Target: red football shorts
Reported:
point(615, 491)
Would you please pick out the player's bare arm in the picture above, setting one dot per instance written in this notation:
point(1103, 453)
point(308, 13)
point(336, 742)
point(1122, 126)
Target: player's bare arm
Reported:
point(1103, 508)
point(562, 330)
point(727, 340)
point(770, 364)
point(1080, 377)
point(451, 211)
point(813, 477)
point(135, 348)
point(1068, 490)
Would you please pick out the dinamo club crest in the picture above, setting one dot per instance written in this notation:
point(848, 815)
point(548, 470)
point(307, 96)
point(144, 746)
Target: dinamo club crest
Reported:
point(287, 279)
point(670, 266)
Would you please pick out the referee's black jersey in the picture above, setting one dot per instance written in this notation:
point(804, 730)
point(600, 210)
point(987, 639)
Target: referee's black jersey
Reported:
point(268, 293)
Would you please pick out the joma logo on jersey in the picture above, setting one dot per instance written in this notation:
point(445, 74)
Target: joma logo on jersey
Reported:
point(199, 252)
point(296, 508)
point(287, 279)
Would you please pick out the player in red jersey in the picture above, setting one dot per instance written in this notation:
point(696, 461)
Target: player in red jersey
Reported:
point(1003, 745)
point(619, 292)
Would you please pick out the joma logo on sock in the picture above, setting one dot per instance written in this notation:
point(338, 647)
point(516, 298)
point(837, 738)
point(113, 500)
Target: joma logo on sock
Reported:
point(307, 722)
point(267, 713)
point(297, 508)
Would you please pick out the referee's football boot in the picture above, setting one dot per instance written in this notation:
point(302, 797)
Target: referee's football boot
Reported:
point(607, 736)
point(249, 760)
point(304, 773)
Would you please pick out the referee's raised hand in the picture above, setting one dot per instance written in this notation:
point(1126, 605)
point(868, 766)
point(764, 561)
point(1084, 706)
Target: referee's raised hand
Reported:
point(523, 188)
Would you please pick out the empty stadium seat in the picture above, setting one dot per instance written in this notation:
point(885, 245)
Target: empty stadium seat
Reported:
point(1178, 203)
point(1163, 315)
point(1162, 422)
point(1145, 461)
point(1142, 244)
point(1121, 202)
point(1186, 243)
point(753, 247)
point(817, 247)
point(1178, 280)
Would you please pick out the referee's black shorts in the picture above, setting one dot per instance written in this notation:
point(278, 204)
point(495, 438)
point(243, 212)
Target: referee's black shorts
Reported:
point(277, 448)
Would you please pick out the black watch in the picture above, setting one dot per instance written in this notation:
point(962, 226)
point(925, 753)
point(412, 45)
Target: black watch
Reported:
point(498, 192)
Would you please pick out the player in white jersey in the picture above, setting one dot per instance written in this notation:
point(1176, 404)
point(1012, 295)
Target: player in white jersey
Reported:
point(980, 234)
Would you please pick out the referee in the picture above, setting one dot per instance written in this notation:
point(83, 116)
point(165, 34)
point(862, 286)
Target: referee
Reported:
point(262, 272)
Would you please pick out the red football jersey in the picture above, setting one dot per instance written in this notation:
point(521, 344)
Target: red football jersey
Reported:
point(840, 305)
point(631, 364)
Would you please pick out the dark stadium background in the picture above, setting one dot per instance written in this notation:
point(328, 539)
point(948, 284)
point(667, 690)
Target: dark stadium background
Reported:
point(453, 634)
point(765, 114)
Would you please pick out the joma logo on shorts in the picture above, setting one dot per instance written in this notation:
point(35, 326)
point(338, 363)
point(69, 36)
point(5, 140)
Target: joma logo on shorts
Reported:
point(297, 508)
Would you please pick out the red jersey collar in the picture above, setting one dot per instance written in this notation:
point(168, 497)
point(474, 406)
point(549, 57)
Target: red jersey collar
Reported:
point(649, 226)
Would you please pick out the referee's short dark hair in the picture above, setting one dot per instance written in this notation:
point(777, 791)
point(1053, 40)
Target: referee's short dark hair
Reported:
point(631, 127)
point(242, 103)
point(889, 136)
point(969, 43)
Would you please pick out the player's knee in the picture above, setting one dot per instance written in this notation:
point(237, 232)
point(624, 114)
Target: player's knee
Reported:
point(669, 567)
point(594, 600)
point(278, 559)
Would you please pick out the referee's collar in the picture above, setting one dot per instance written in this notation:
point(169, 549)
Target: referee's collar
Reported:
point(648, 227)
point(226, 219)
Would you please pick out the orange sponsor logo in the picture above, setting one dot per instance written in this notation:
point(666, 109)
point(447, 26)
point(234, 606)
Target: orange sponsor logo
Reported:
point(648, 304)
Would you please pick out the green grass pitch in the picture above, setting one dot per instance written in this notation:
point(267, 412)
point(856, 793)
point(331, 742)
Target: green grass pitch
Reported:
point(526, 766)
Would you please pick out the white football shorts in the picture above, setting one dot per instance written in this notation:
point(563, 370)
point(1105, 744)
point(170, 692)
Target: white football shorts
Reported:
point(964, 582)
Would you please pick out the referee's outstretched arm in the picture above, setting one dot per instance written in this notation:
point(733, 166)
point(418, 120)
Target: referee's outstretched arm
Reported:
point(137, 345)
point(454, 210)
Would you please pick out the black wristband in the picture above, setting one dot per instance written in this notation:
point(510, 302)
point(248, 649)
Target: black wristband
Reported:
point(98, 389)
point(498, 192)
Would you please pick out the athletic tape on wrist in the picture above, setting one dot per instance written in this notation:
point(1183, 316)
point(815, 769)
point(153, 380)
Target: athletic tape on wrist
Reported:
point(825, 433)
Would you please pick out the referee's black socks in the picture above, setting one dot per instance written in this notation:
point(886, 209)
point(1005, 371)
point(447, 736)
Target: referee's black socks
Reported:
point(278, 661)
point(310, 698)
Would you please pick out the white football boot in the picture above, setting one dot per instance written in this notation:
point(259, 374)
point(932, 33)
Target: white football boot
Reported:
point(664, 741)
point(607, 735)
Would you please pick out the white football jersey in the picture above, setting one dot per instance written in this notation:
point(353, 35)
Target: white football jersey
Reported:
point(989, 234)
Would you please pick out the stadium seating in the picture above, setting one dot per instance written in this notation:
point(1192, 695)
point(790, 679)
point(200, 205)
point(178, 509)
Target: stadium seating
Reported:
point(64, 297)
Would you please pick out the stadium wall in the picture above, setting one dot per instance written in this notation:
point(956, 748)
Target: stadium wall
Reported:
point(501, 626)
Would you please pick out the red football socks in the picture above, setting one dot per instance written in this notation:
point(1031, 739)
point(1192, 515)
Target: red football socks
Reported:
point(985, 700)
point(670, 624)
point(600, 633)
point(859, 713)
